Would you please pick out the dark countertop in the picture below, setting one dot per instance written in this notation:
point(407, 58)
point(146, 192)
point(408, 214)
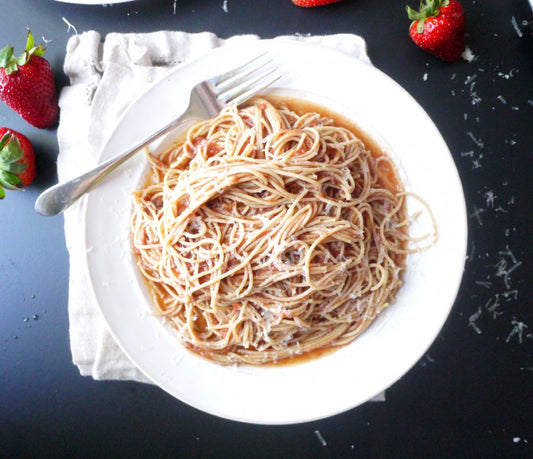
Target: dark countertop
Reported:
point(469, 396)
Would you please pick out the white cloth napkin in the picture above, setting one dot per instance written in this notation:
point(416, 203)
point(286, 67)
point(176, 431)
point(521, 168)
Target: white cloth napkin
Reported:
point(105, 76)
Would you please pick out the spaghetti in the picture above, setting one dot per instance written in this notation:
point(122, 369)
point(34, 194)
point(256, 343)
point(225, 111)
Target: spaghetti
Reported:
point(267, 234)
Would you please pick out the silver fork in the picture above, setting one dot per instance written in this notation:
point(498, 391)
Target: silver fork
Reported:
point(207, 99)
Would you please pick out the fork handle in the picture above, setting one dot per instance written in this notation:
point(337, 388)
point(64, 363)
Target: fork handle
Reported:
point(62, 195)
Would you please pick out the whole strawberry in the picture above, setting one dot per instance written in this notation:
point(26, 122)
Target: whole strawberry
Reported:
point(27, 84)
point(311, 3)
point(439, 27)
point(17, 161)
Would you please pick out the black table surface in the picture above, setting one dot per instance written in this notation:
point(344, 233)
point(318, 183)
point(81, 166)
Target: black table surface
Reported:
point(470, 395)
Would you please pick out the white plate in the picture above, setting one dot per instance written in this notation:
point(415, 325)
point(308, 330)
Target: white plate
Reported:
point(342, 379)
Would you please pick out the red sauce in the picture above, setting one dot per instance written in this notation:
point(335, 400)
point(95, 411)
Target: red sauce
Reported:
point(305, 357)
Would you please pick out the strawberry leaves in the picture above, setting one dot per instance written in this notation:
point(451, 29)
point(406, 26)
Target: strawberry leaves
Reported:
point(429, 9)
point(11, 63)
point(31, 49)
point(11, 154)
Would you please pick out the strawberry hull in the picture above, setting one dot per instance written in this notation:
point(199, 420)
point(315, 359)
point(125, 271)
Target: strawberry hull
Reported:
point(17, 161)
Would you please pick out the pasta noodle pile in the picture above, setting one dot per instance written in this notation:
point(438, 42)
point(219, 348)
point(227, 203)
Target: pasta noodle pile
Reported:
point(267, 234)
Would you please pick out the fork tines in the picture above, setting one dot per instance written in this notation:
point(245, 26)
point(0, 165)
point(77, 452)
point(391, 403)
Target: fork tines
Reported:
point(241, 83)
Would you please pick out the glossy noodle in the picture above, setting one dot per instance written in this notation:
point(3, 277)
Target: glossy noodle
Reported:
point(267, 234)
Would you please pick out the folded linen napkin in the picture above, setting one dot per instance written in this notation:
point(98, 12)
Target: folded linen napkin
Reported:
point(105, 76)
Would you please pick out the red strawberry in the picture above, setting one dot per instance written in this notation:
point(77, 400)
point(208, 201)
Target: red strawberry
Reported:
point(310, 3)
point(27, 84)
point(439, 27)
point(17, 161)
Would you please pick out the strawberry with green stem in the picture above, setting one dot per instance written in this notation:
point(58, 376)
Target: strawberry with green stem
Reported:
point(27, 84)
point(17, 161)
point(439, 28)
